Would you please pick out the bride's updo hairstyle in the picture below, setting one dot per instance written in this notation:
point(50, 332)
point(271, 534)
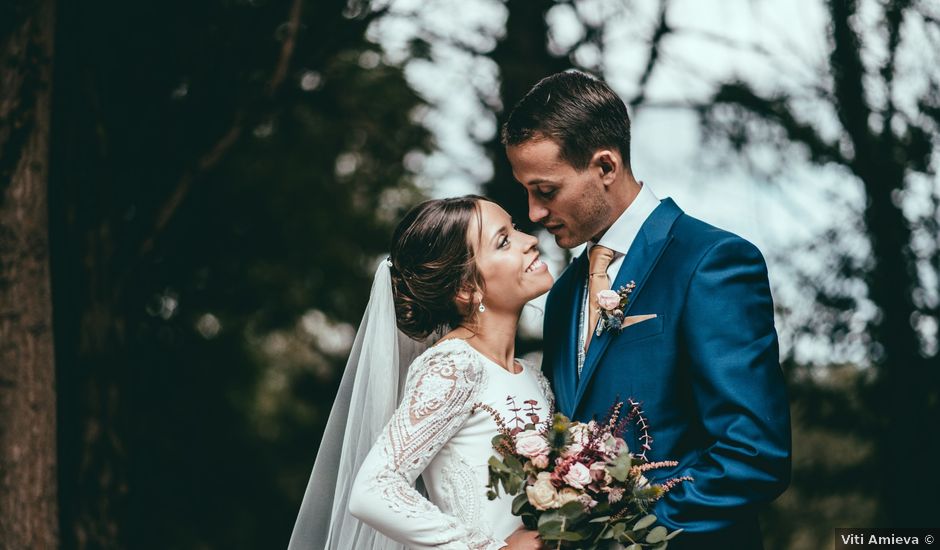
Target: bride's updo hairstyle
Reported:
point(432, 260)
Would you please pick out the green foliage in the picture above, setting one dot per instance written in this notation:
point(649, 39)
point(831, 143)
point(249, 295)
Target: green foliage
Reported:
point(182, 347)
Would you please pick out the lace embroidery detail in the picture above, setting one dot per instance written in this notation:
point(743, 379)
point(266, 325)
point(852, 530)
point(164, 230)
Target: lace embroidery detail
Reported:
point(441, 387)
point(439, 393)
point(462, 491)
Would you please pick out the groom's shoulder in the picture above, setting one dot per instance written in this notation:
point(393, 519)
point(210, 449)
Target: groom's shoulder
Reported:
point(697, 236)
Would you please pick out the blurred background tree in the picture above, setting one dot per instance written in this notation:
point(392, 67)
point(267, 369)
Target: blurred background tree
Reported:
point(871, 112)
point(225, 175)
point(28, 497)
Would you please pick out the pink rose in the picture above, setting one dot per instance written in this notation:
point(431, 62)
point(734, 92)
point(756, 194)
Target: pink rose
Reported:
point(532, 444)
point(598, 471)
point(608, 299)
point(540, 462)
point(572, 450)
point(578, 476)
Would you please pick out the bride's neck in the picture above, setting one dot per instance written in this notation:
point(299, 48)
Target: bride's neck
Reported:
point(494, 334)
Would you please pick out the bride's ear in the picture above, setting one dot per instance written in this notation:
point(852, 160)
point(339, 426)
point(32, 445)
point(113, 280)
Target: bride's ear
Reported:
point(467, 298)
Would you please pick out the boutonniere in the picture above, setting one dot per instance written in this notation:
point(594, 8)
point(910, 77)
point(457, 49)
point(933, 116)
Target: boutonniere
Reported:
point(612, 304)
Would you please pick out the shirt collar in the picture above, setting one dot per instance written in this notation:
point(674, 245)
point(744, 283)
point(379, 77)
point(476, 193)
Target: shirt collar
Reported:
point(619, 237)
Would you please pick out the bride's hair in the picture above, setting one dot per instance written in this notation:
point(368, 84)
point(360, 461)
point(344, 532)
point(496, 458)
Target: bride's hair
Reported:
point(432, 260)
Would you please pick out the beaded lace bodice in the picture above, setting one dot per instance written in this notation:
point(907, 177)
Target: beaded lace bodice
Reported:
point(438, 431)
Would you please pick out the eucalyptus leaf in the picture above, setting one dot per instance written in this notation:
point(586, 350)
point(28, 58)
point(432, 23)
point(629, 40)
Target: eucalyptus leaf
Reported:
point(564, 535)
point(674, 533)
point(549, 517)
point(657, 534)
point(644, 522)
point(549, 529)
point(497, 465)
point(573, 511)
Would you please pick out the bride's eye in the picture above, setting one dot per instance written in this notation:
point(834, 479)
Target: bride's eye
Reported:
point(505, 242)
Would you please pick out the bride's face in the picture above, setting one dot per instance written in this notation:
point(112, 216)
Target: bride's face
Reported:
point(507, 259)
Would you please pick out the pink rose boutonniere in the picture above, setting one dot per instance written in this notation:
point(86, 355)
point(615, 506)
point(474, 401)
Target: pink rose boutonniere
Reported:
point(612, 304)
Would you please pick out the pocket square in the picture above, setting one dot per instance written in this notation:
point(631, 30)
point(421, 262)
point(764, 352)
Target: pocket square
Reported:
point(634, 319)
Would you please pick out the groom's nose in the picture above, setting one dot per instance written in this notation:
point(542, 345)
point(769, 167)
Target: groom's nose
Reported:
point(537, 212)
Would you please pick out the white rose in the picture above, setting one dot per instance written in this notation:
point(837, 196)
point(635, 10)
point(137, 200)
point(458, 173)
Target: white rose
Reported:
point(567, 495)
point(608, 299)
point(578, 475)
point(580, 433)
point(531, 444)
point(542, 493)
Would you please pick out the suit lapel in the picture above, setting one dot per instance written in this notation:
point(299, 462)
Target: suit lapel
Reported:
point(565, 363)
point(650, 242)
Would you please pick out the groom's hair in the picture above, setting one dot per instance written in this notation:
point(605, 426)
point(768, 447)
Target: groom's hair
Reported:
point(581, 113)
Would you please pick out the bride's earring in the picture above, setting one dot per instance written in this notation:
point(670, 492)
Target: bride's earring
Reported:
point(482, 308)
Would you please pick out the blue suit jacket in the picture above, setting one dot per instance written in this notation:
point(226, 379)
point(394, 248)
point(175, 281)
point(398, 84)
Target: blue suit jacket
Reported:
point(706, 371)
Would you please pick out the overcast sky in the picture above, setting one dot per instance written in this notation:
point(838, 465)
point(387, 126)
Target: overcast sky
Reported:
point(772, 45)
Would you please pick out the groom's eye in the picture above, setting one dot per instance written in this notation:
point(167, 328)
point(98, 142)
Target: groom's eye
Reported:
point(548, 194)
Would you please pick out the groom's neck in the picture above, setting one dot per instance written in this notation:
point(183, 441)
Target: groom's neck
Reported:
point(623, 195)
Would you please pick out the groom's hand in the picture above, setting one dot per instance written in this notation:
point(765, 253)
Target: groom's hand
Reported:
point(523, 539)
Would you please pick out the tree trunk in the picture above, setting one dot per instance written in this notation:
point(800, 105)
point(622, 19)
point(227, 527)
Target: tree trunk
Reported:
point(523, 59)
point(28, 507)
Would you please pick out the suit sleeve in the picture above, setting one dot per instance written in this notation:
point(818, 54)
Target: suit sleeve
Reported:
point(738, 390)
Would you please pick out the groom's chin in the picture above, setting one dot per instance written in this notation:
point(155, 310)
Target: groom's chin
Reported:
point(566, 241)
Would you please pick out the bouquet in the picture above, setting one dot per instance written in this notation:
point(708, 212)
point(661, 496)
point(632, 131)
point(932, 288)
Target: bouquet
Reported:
point(577, 483)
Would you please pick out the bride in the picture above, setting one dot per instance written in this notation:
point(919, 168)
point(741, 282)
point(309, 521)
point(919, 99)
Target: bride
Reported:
point(405, 409)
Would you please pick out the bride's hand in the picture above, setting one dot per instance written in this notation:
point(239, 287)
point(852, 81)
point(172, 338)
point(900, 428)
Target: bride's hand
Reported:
point(523, 539)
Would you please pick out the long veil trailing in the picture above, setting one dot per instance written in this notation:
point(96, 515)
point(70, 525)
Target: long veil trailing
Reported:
point(368, 396)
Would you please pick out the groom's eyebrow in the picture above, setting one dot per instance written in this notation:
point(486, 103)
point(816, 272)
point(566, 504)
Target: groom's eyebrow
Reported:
point(541, 181)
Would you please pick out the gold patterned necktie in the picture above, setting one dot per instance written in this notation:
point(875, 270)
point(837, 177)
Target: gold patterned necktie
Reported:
point(599, 259)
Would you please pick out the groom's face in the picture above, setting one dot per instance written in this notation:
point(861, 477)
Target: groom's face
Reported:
point(569, 203)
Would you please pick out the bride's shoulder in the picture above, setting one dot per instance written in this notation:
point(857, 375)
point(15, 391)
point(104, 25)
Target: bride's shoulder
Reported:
point(449, 351)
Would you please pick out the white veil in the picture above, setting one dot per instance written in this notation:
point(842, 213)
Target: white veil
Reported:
point(368, 395)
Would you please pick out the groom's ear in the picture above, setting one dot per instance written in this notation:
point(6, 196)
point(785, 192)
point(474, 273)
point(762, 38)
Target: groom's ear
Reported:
point(606, 164)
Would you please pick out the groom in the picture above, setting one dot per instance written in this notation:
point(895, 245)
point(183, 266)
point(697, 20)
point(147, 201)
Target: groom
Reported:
point(697, 350)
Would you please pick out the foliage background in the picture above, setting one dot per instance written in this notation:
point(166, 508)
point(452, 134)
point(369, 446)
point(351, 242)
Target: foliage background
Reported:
point(225, 173)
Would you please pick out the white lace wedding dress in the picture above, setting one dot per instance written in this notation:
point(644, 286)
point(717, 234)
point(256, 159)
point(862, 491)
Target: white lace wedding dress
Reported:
point(440, 432)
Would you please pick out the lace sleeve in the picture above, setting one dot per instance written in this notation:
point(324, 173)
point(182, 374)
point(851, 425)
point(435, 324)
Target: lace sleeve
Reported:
point(438, 399)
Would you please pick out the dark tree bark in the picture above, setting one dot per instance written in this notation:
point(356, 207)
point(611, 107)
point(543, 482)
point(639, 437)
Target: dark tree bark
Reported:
point(28, 506)
point(523, 59)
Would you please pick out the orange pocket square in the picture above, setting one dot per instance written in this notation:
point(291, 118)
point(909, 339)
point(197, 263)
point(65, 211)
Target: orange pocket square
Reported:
point(634, 319)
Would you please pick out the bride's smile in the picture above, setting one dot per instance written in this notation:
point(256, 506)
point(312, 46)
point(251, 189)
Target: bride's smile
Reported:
point(508, 259)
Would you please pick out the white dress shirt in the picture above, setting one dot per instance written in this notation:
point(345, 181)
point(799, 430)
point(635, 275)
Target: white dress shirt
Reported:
point(619, 237)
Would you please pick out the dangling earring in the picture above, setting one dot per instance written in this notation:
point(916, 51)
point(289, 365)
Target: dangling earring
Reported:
point(482, 308)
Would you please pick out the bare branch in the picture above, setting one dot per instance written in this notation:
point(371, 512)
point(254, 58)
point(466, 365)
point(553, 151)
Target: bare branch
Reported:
point(662, 30)
point(228, 139)
point(287, 48)
point(848, 74)
point(778, 111)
